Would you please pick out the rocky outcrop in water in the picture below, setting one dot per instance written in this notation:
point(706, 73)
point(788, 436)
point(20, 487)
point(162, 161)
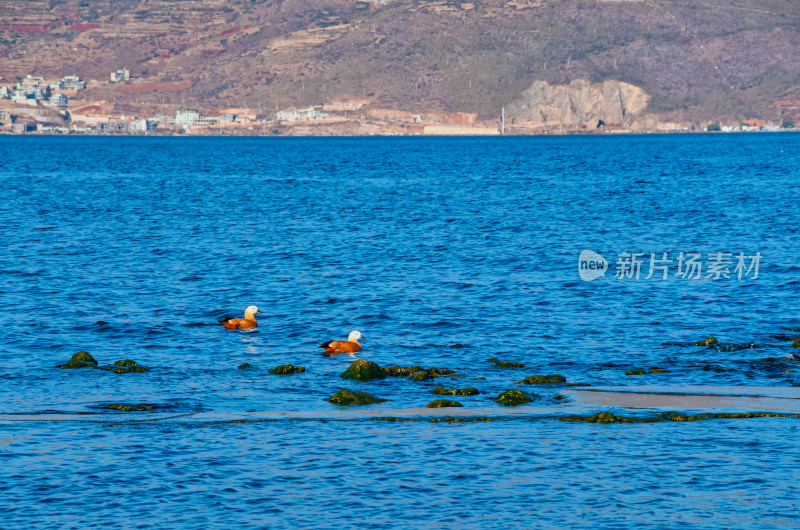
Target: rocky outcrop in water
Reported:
point(707, 342)
point(439, 403)
point(641, 371)
point(80, 360)
point(504, 364)
point(542, 380)
point(287, 369)
point(471, 391)
point(364, 370)
point(417, 373)
point(345, 398)
point(512, 398)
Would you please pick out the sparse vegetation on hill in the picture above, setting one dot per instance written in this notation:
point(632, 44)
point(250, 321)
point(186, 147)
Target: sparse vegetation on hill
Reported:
point(697, 60)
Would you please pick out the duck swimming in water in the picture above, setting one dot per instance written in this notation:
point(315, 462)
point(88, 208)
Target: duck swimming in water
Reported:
point(350, 345)
point(248, 322)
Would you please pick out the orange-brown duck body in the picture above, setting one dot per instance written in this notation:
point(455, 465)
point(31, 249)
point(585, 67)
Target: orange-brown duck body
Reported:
point(248, 322)
point(351, 345)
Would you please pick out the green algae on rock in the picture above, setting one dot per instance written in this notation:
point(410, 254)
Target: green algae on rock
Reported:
point(364, 370)
point(707, 342)
point(479, 379)
point(245, 366)
point(674, 416)
point(127, 366)
point(345, 398)
point(80, 360)
point(607, 417)
point(471, 391)
point(402, 371)
point(287, 369)
point(512, 398)
point(640, 371)
point(84, 357)
point(76, 364)
point(504, 364)
point(439, 403)
point(125, 363)
point(542, 380)
point(796, 343)
point(421, 376)
point(405, 371)
point(459, 419)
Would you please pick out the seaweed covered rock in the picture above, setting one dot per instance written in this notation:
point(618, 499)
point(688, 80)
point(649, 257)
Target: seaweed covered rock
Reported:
point(84, 357)
point(402, 371)
point(420, 376)
point(600, 417)
point(471, 391)
point(287, 369)
point(364, 370)
point(460, 419)
point(640, 371)
point(707, 342)
point(674, 416)
point(796, 343)
point(504, 364)
point(345, 398)
point(127, 366)
point(512, 398)
point(439, 403)
point(405, 371)
point(542, 380)
point(80, 360)
point(245, 366)
point(125, 363)
point(76, 364)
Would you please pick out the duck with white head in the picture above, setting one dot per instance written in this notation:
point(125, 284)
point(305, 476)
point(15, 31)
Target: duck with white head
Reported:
point(248, 322)
point(351, 345)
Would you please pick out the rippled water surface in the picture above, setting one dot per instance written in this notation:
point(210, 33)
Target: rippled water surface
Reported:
point(443, 253)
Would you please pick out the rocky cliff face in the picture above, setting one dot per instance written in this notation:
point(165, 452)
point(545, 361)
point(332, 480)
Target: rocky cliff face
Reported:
point(579, 103)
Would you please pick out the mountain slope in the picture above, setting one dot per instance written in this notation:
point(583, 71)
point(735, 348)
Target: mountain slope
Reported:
point(696, 60)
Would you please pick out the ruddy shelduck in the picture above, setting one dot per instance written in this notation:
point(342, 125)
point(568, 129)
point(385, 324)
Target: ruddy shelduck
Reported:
point(350, 345)
point(248, 322)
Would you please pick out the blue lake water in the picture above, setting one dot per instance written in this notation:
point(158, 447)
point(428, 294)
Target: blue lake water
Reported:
point(443, 252)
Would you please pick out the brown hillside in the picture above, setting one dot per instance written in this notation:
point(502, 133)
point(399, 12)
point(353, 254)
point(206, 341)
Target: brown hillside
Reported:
point(695, 59)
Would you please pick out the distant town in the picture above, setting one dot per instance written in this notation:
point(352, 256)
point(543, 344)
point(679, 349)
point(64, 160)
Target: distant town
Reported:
point(35, 105)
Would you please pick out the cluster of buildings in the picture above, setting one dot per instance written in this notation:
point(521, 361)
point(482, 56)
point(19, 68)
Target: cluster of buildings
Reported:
point(36, 105)
point(34, 91)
